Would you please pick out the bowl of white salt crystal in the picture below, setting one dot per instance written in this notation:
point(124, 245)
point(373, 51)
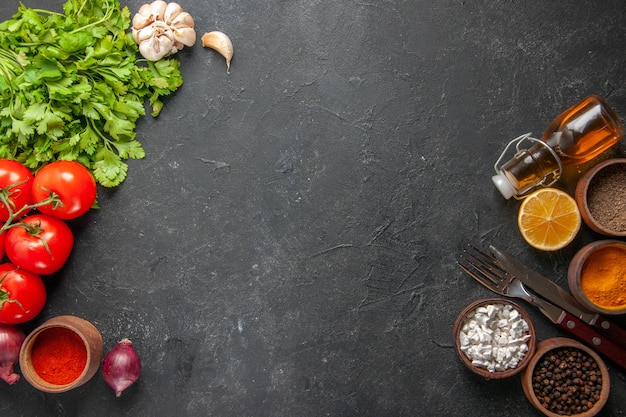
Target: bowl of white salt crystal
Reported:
point(495, 338)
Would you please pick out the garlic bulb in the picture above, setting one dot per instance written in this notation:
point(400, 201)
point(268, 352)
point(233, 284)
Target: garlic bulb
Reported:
point(162, 29)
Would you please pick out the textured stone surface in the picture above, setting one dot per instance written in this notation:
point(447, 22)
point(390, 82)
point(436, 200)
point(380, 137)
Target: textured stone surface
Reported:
point(288, 245)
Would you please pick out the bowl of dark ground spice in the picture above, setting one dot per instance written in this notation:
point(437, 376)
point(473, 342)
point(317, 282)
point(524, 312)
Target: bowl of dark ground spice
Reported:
point(566, 378)
point(597, 276)
point(601, 197)
point(61, 354)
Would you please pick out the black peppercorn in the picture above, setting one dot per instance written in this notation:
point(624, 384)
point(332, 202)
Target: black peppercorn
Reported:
point(567, 381)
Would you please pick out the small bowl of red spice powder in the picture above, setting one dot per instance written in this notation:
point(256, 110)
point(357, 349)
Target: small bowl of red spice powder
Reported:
point(597, 276)
point(61, 354)
point(601, 197)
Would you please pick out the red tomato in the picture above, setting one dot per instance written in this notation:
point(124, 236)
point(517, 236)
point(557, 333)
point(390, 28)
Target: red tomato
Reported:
point(3, 239)
point(40, 244)
point(16, 184)
point(22, 295)
point(71, 182)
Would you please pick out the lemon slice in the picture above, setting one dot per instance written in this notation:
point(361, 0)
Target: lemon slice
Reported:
point(549, 219)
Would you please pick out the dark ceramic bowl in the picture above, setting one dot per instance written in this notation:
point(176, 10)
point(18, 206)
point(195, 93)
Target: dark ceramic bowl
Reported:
point(462, 318)
point(581, 262)
point(594, 193)
point(89, 336)
point(544, 348)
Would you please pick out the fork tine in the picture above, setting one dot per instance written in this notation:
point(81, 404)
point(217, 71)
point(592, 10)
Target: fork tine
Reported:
point(488, 261)
point(479, 278)
point(471, 263)
point(479, 275)
point(484, 268)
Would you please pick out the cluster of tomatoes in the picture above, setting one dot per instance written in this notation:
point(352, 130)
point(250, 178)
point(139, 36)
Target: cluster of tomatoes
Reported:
point(34, 235)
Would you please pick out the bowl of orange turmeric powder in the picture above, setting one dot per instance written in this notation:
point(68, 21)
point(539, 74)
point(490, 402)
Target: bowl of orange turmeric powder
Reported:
point(597, 276)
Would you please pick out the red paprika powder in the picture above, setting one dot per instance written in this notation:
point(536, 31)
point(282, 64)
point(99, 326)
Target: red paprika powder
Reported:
point(59, 355)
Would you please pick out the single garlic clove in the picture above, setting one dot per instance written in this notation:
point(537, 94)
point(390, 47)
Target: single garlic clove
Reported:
point(147, 51)
point(221, 43)
point(143, 34)
point(183, 19)
point(186, 36)
point(171, 11)
point(141, 21)
point(143, 16)
point(135, 33)
point(158, 9)
point(145, 9)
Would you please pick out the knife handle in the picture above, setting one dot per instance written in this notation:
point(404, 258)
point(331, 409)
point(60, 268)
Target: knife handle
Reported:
point(592, 338)
point(611, 330)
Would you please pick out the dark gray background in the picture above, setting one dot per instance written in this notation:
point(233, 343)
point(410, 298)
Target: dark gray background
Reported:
point(288, 245)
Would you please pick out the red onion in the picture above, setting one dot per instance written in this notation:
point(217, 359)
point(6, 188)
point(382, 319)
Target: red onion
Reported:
point(11, 339)
point(121, 366)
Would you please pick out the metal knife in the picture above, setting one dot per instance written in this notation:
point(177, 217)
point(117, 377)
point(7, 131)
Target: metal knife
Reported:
point(557, 295)
point(580, 330)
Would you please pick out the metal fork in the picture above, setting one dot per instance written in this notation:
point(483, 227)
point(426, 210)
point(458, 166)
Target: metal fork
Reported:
point(485, 269)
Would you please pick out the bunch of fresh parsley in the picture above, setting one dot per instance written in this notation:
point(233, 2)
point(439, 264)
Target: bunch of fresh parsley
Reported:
point(72, 88)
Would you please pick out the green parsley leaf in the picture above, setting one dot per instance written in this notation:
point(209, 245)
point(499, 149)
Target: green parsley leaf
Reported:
point(71, 87)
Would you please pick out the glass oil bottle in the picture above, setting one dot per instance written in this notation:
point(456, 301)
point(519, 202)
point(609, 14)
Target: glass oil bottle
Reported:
point(578, 135)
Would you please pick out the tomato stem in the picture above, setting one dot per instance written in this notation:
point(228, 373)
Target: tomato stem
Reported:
point(7, 192)
point(5, 296)
point(14, 215)
point(35, 229)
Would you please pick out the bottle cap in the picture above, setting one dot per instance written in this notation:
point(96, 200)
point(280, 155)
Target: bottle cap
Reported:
point(504, 185)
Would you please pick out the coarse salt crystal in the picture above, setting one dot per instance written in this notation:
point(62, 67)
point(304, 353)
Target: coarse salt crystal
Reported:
point(490, 310)
point(463, 339)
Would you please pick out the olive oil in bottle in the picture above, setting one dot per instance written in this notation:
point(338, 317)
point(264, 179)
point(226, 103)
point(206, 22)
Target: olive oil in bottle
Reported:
point(578, 135)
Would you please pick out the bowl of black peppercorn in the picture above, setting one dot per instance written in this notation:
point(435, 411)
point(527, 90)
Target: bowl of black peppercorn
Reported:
point(566, 378)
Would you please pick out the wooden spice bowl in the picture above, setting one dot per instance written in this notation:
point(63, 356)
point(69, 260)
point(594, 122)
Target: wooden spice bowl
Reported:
point(481, 371)
point(552, 345)
point(600, 266)
point(601, 198)
point(88, 340)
